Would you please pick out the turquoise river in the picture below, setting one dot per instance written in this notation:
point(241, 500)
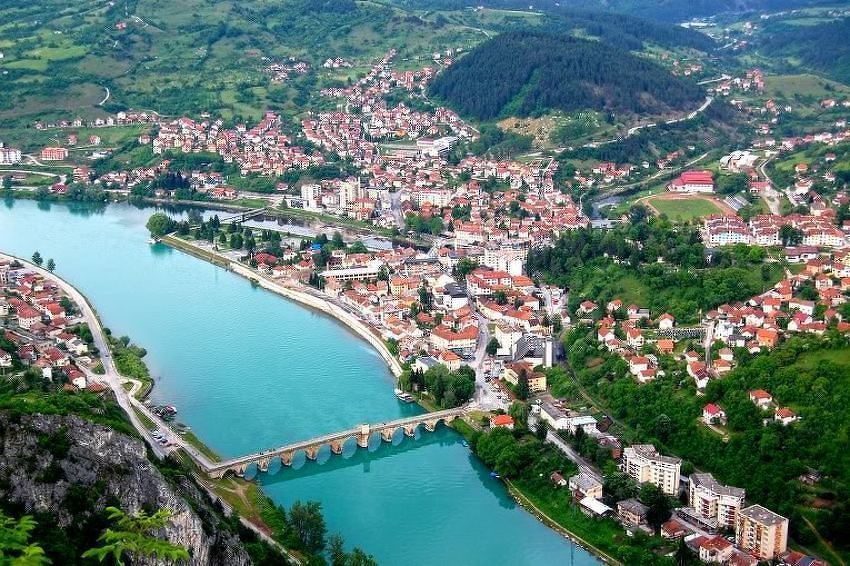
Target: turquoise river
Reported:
point(249, 370)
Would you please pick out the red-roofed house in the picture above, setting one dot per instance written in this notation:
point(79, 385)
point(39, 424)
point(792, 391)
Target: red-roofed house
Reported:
point(712, 414)
point(785, 416)
point(761, 398)
point(504, 421)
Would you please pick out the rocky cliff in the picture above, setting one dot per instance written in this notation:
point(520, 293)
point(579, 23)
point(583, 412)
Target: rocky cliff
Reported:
point(65, 470)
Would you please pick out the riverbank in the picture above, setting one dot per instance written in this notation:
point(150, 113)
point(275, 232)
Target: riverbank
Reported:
point(562, 516)
point(305, 297)
point(359, 327)
point(261, 511)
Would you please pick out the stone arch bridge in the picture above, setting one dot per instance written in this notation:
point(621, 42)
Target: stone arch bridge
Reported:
point(336, 441)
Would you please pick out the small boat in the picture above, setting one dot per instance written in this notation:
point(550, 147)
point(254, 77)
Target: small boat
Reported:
point(494, 475)
point(465, 444)
point(404, 397)
point(153, 241)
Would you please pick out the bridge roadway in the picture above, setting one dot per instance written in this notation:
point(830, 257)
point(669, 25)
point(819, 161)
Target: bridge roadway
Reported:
point(239, 217)
point(335, 440)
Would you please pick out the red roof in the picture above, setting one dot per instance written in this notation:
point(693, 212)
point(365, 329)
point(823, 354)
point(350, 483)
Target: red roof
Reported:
point(502, 420)
point(711, 409)
point(697, 177)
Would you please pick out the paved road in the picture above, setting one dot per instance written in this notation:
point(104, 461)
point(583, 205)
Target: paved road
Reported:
point(106, 97)
point(126, 401)
point(771, 196)
point(568, 451)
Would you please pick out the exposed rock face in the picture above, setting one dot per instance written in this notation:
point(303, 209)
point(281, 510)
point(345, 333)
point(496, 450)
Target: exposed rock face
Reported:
point(42, 457)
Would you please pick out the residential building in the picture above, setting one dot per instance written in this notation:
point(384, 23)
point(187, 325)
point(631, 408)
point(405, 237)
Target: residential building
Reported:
point(713, 501)
point(715, 550)
point(584, 485)
point(9, 155)
point(644, 464)
point(54, 154)
point(761, 532)
point(632, 512)
point(536, 380)
point(444, 338)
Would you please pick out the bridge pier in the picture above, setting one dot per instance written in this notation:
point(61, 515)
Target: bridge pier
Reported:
point(335, 441)
point(286, 459)
point(363, 436)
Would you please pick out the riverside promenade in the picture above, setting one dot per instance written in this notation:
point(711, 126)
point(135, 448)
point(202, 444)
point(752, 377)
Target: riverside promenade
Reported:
point(304, 295)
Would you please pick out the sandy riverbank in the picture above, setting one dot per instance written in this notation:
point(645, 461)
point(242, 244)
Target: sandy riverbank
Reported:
point(322, 304)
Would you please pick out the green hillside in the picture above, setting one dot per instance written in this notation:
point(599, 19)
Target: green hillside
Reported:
point(530, 73)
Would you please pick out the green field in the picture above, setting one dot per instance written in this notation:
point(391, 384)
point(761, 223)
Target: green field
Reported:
point(684, 210)
point(208, 55)
point(789, 86)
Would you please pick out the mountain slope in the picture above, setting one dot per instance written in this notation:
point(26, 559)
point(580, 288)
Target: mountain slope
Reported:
point(823, 47)
point(529, 73)
point(661, 10)
point(65, 470)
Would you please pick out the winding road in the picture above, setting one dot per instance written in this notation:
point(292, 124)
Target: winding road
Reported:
point(105, 98)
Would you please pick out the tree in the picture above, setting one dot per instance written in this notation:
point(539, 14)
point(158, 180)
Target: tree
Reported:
point(336, 551)
point(493, 347)
point(15, 548)
point(790, 236)
point(522, 390)
point(132, 538)
point(339, 557)
point(658, 503)
point(159, 225)
point(464, 267)
point(51, 265)
point(37, 259)
point(519, 412)
point(619, 486)
point(308, 525)
point(541, 431)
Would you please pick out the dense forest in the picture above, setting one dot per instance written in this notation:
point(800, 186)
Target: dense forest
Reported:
point(530, 73)
point(809, 374)
point(628, 32)
point(824, 47)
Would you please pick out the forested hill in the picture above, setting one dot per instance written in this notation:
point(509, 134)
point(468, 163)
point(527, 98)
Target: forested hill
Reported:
point(661, 10)
point(825, 47)
point(529, 73)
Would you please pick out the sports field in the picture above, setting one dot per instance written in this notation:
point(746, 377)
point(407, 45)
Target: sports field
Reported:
point(683, 208)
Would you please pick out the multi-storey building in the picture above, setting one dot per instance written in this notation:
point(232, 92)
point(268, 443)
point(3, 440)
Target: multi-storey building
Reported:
point(713, 501)
point(761, 532)
point(9, 155)
point(644, 464)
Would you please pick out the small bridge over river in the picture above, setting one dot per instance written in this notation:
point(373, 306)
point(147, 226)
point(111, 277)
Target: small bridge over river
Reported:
point(336, 441)
point(243, 216)
point(240, 216)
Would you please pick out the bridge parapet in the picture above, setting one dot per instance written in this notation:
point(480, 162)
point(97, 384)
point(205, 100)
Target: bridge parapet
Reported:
point(335, 441)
